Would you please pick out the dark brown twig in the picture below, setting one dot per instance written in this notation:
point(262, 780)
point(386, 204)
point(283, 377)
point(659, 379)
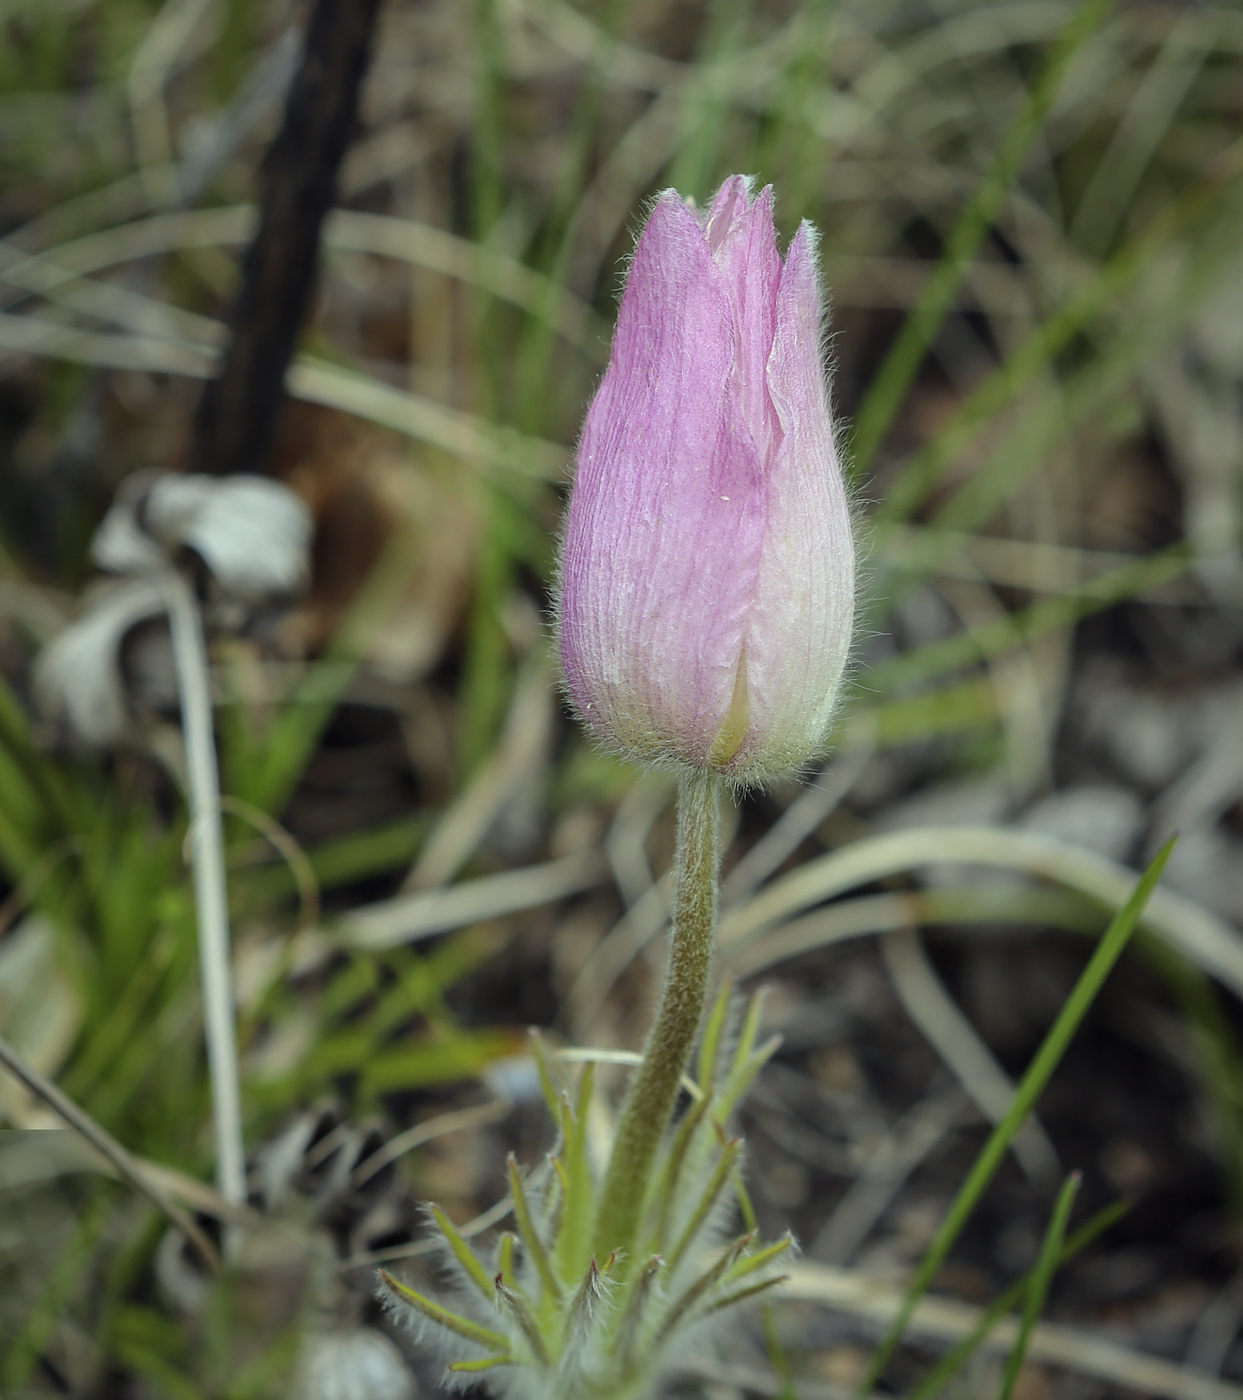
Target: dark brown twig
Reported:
point(239, 411)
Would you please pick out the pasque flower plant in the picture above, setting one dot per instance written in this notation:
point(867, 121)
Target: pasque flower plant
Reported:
point(705, 610)
point(707, 586)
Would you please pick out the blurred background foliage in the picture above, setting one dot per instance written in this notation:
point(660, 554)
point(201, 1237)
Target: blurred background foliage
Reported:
point(1030, 218)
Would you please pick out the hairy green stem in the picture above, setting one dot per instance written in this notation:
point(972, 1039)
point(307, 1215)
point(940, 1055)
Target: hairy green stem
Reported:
point(649, 1102)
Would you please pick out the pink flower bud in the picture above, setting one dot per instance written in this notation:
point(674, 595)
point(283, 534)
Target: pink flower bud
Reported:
point(707, 582)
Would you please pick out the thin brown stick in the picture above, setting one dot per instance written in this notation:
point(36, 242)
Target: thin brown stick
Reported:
point(109, 1147)
point(239, 411)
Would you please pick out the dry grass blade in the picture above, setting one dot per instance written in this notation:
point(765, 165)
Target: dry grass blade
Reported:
point(461, 434)
point(346, 231)
point(507, 278)
point(954, 1038)
point(290, 851)
point(881, 913)
point(438, 1127)
point(35, 335)
point(149, 71)
point(205, 839)
point(407, 918)
point(110, 1148)
point(804, 814)
point(36, 1153)
point(614, 953)
point(1031, 565)
point(456, 432)
point(466, 821)
point(943, 1320)
point(887, 1169)
point(1206, 940)
point(144, 315)
point(626, 843)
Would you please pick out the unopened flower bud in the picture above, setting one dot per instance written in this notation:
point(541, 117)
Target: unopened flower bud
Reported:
point(707, 584)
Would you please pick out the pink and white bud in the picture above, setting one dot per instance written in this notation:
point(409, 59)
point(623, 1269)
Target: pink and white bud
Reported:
point(708, 574)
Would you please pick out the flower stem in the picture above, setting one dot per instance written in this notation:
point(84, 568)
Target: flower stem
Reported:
point(210, 899)
point(654, 1089)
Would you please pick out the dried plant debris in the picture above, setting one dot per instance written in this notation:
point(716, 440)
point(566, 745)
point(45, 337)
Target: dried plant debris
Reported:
point(249, 534)
point(252, 534)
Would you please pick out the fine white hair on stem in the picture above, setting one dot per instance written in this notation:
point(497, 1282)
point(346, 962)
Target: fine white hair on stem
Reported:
point(207, 867)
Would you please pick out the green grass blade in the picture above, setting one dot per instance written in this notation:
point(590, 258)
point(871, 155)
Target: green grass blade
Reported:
point(1049, 615)
point(1042, 1277)
point(707, 108)
point(486, 187)
point(902, 362)
point(943, 1372)
point(791, 152)
point(1033, 356)
point(1046, 1060)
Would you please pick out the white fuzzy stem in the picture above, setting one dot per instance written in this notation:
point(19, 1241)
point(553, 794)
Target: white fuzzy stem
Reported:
point(210, 896)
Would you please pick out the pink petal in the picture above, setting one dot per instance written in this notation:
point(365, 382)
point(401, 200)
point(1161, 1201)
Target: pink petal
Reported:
point(746, 252)
point(798, 633)
point(667, 516)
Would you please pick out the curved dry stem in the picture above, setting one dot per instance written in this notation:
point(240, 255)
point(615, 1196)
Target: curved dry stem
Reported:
point(136, 1173)
point(211, 905)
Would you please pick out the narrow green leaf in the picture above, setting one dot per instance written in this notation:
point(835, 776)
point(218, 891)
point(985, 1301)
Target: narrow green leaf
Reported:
point(902, 362)
point(745, 1206)
point(667, 1184)
point(531, 1240)
point(463, 1253)
point(518, 1308)
point(505, 1257)
point(760, 1258)
point(582, 1306)
point(750, 1031)
point(551, 1097)
point(945, 1369)
point(743, 1075)
point(485, 1363)
point(740, 1295)
point(455, 1322)
point(708, 1279)
point(573, 1241)
point(777, 1358)
point(1042, 1277)
point(632, 1318)
point(707, 1200)
point(714, 1030)
point(1029, 1090)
